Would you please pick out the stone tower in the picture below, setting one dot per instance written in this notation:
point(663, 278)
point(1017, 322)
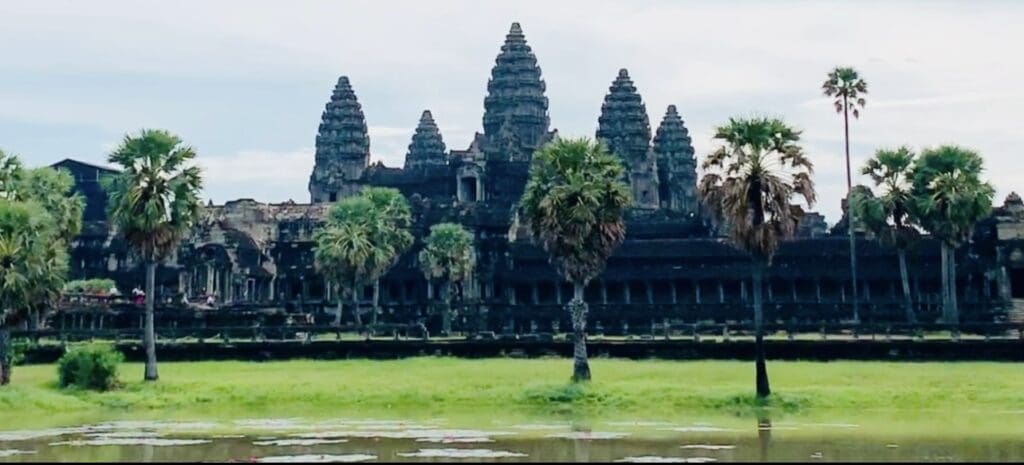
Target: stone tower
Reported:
point(624, 128)
point(427, 149)
point(515, 105)
point(342, 147)
point(515, 119)
point(677, 166)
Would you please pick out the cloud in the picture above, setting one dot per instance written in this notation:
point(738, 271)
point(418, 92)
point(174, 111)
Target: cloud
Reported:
point(265, 176)
point(251, 76)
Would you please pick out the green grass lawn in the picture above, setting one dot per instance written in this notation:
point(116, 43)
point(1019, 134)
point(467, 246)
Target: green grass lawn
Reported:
point(447, 386)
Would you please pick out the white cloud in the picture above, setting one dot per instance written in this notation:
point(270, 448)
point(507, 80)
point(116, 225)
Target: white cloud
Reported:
point(938, 71)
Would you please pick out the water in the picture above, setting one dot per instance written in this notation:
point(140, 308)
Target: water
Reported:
point(935, 437)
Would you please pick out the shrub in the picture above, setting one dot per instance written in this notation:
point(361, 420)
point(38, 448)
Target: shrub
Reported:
point(89, 366)
point(89, 286)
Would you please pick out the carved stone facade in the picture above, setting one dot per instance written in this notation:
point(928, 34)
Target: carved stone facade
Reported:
point(671, 265)
point(342, 146)
point(677, 165)
point(625, 129)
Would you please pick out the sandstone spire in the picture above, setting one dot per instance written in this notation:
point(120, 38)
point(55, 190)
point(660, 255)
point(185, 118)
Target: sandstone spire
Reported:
point(427, 147)
point(624, 128)
point(677, 166)
point(342, 146)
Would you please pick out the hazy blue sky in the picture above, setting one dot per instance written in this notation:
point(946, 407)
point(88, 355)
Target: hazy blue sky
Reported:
point(245, 81)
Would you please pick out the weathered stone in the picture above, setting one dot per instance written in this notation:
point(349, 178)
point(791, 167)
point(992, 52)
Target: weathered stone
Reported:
point(342, 146)
point(677, 165)
point(624, 128)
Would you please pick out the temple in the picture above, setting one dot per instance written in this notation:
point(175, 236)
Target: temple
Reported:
point(672, 266)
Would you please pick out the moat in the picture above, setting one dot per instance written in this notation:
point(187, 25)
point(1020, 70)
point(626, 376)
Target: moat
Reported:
point(696, 438)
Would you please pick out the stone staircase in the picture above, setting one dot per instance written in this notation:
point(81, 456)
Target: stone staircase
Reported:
point(1016, 313)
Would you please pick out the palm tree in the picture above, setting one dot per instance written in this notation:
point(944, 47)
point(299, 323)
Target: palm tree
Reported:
point(573, 205)
point(750, 183)
point(53, 190)
point(888, 215)
point(39, 214)
point(33, 267)
point(361, 240)
point(949, 198)
point(395, 212)
point(447, 257)
point(846, 85)
point(153, 203)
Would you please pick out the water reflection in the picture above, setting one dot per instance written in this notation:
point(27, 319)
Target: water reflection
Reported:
point(574, 440)
point(764, 436)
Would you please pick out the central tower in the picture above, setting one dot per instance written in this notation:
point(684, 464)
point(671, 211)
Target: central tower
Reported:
point(515, 118)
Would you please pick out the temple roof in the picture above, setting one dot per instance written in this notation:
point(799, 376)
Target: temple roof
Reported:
point(623, 125)
point(343, 133)
point(672, 143)
point(427, 147)
point(515, 93)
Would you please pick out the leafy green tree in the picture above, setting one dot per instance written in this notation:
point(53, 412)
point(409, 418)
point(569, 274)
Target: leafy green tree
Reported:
point(39, 215)
point(395, 212)
point(573, 206)
point(447, 257)
point(29, 250)
point(949, 198)
point(888, 214)
point(153, 203)
point(362, 239)
point(750, 183)
point(848, 89)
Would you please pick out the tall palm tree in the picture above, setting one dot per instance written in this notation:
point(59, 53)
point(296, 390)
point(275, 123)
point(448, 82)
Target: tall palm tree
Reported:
point(888, 215)
point(573, 205)
point(153, 203)
point(447, 257)
point(949, 198)
point(750, 183)
point(848, 89)
point(395, 212)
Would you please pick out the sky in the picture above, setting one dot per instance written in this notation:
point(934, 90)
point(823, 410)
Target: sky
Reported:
point(245, 82)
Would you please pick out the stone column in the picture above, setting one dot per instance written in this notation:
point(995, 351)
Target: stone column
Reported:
point(625, 292)
point(721, 292)
point(817, 289)
point(604, 292)
point(675, 294)
point(534, 293)
point(792, 284)
point(696, 290)
point(558, 292)
point(650, 292)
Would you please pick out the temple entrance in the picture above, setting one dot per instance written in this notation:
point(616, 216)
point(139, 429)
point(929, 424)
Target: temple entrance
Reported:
point(1017, 283)
point(468, 189)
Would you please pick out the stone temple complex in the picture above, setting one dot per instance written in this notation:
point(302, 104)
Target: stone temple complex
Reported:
point(673, 265)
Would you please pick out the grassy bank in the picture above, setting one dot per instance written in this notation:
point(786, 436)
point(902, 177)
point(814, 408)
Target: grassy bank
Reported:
point(443, 386)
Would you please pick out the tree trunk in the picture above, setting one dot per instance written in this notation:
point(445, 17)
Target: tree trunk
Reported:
point(908, 304)
point(150, 336)
point(376, 302)
point(849, 214)
point(446, 315)
point(356, 290)
point(578, 310)
point(338, 294)
point(5, 357)
point(954, 308)
point(761, 370)
point(944, 268)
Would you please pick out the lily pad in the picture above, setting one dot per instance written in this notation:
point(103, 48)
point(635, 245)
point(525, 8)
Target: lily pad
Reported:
point(461, 454)
point(298, 442)
point(316, 458)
